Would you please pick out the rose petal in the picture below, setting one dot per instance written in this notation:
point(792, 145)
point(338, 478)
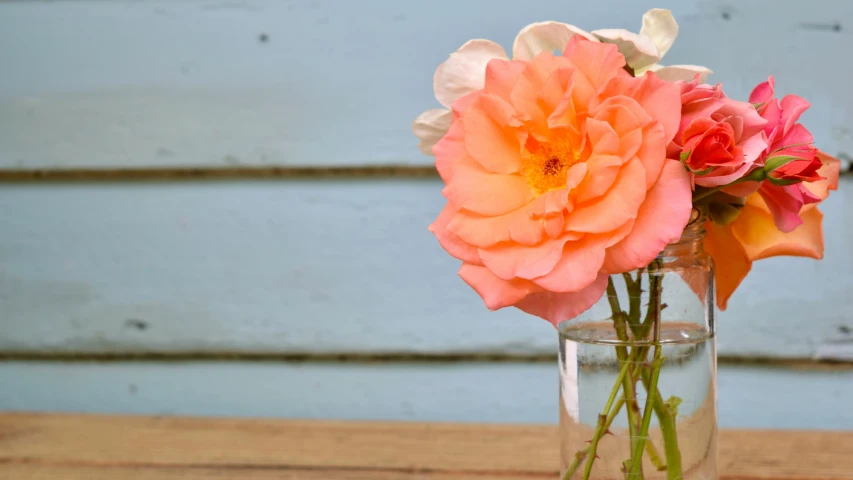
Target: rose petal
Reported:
point(484, 232)
point(595, 65)
point(652, 152)
point(603, 172)
point(494, 135)
point(478, 191)
point(450, 149)
point(627, 119)
point(450, 242)
point(577, 266)
point(430, 126)
point(792, 107)
point(730, 261)
point(658, 99)
point(763, 92)
point(526, 92)
point(508, 261)
point(502, 75)
point(496, 293)
point(660, 221)
point(620, 205)
point(465, 71)
point(686, 73)
point(661, 28)
point(757, 232)
point(829, 170)
point(784, 203)
point(545, 37)
point(559, 307)
point(639, 51)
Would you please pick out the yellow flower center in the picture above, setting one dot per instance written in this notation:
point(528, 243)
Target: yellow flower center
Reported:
point(546, 165)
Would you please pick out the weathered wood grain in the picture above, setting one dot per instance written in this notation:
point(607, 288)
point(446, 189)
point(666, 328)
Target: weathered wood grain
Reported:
point(748, 396)
point(404, 450)
point(321, 267)
point(336, 82)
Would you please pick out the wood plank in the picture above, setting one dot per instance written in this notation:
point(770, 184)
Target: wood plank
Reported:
point(144, 472)
point(748, 396)
point(429, 449)
point(231, 83)
point(268, 268)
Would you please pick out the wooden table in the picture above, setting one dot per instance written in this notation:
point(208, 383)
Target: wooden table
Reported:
point(95, 447)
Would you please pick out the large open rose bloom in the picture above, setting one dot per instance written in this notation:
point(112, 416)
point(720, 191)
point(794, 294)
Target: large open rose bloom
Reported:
point(556, 176)
point(753, 235)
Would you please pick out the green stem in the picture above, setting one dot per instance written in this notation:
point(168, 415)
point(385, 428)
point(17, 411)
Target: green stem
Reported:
point(581, 455)
point(602, 421)
point(667, 419)
point(628, 382)
point(637, 455)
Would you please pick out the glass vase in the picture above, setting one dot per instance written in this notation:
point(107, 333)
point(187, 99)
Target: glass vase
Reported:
point(638, 389)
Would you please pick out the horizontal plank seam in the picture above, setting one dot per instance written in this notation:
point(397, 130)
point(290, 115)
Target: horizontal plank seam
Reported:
point(373, 358)
point(213, 173)
point(134, 174)
point(281, 467)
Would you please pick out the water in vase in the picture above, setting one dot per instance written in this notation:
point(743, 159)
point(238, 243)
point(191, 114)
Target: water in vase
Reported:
point(591, 362)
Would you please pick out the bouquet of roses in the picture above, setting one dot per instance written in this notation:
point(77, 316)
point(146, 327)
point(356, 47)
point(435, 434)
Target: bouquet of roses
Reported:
point(581, 158)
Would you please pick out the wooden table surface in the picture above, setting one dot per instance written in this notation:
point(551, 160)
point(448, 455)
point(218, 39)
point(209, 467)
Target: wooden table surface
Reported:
point(96, 447)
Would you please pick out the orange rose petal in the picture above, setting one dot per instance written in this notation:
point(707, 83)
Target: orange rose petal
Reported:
point(450, 149)
point(660, 221)
point(559, 307)
point(480, 231)
point(496, 293)
point(501, 76)
point(597, 64)
point(508, 261)
point(654, 141)
point(577, 266)
point(616, 208)
point(656, 97)
point(450, 242)
point(830, 170)
point(755, 230)
point(601, 135)
point(478, 191)
point(493, 134)
point(730, 261)
point(603, 170)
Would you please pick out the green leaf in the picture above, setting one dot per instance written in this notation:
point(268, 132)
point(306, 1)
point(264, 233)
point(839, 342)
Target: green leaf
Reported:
point(773, 163)
point(684, 156)
point(700, 173)
point(782, 182)
point(724, 213)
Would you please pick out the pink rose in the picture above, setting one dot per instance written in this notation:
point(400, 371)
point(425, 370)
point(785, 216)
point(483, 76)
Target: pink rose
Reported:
point(719, 139)
point(790, 157)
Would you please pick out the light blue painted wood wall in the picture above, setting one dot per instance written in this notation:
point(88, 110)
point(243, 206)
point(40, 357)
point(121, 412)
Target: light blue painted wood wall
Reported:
point(269, 266)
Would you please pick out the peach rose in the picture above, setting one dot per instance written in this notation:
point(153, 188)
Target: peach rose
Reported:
point(753, 235)
point(556, 176)
point(719, 139)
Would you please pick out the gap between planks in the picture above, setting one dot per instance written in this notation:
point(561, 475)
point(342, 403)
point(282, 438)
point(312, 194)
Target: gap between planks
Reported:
point(213, 173)
point(375, 358)
point(224, 173)
point(41, 446)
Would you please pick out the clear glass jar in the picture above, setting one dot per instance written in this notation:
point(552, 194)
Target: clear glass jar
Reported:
point(653, 331)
